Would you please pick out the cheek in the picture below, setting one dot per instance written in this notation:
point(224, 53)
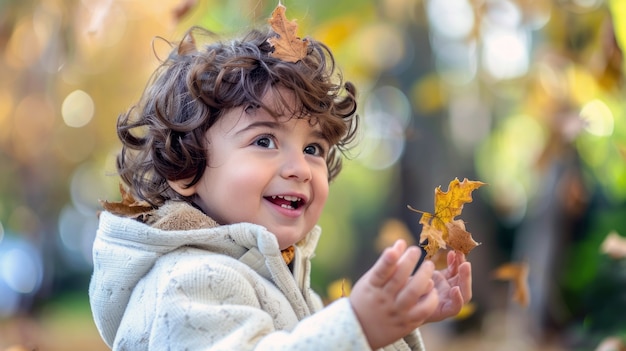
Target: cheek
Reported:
point(321, 193)
point(225, 189)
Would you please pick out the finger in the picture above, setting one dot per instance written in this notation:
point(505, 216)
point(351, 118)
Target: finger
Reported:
point(465, 281)
point(425, 271)
point(460, 257)
point(439, 280)
point(404, 268)
point(385, 266)
point(454, 303)
point(451, 269)
point(424, 307)
point(415, 290)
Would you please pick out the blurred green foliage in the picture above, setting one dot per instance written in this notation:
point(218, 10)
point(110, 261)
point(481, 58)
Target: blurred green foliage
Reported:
point(546, 129)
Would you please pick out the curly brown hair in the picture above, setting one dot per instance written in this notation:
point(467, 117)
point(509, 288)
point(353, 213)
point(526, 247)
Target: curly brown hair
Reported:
point(163, 135)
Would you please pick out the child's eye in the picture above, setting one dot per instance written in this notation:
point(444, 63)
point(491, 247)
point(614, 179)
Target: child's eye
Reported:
point(314, 149)
point(266, 142)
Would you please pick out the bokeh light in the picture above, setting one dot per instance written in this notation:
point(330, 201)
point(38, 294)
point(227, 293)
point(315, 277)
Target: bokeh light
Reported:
point(77, 109)
point(386, 117)
point(598, 118)
point(380, 46)
point(21, 272)
point(505, 53)
point(76, 233)
point(453, 19)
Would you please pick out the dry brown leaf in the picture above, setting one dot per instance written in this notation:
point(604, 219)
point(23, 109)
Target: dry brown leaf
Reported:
point(458, 238)
point(287, 46)
point(183, 8)
point(614, 245)
point(448, 205)
point(128, 207)
point(517, 274)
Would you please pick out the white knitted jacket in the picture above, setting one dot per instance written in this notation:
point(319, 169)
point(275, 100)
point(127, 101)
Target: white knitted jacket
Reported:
point(215, 288)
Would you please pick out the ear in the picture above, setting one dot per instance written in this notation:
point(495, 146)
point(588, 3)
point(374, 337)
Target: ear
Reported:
point(180, 186)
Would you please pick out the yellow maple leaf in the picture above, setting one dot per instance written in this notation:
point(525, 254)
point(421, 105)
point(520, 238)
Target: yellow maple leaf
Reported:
point(287, 46)
point(448, 205)
point(432, 237)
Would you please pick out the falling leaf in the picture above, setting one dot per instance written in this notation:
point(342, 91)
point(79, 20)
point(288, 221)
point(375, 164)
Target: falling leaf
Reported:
point(614, 245)
point(448, 205)
point(287, 46)
point(183, 8)
point(128, 207)
point(517, 274)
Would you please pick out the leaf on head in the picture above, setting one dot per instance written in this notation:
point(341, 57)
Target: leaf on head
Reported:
point(287, 46)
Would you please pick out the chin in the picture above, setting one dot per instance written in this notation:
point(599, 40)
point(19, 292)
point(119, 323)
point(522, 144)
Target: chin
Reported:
point(288, 239)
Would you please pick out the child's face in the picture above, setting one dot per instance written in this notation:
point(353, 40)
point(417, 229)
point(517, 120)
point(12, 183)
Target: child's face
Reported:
point(265, 171)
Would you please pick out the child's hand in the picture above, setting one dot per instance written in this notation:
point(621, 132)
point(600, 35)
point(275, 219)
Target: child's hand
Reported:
point(453, 285)
point(388, 301)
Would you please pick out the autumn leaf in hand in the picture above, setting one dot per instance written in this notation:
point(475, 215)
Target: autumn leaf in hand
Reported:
point(437, 227)
point(517, 274)
point(432, 237)
point(128, 207)
point(287, 46)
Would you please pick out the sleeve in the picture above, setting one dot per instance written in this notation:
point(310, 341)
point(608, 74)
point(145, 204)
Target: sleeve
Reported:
point(411, 342)
point(216, 307)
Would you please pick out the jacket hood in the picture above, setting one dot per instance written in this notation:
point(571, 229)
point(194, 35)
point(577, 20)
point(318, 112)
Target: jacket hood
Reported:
point(125, 250)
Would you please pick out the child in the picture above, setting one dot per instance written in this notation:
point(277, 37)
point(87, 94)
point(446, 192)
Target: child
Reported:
point(231, 150)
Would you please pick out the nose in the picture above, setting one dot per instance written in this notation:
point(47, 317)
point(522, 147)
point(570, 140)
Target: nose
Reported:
point(295, 166)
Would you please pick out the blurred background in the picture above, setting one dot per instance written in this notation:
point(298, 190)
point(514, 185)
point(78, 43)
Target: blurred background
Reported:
point(527, 96)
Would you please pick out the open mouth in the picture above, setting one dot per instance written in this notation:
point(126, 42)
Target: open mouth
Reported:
point(286, 201)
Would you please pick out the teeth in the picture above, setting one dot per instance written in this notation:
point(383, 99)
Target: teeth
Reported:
point(287, 206)
point(287, 197)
